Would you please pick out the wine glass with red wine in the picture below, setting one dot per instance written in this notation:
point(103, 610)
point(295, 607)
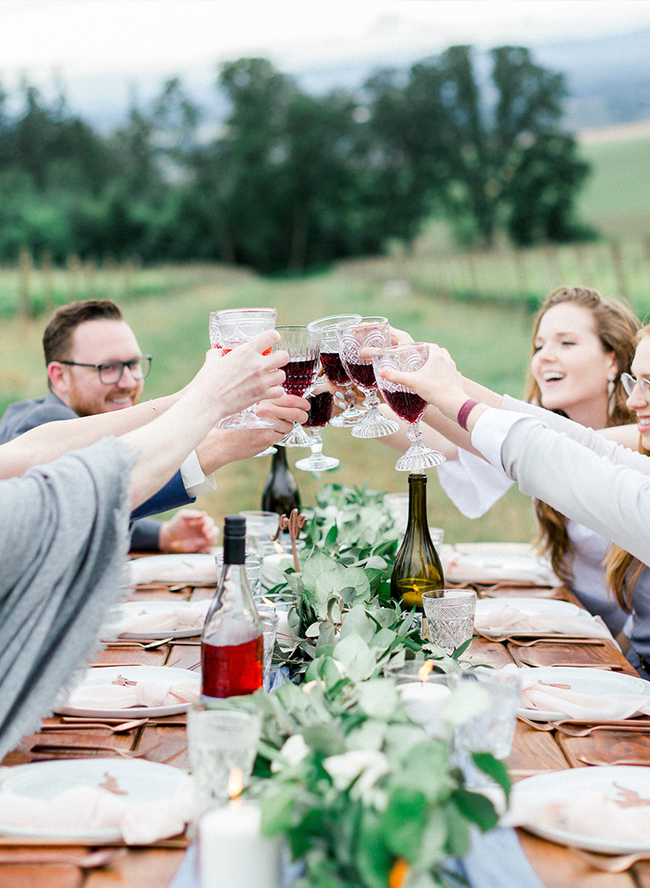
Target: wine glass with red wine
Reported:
point(230, 328)
point(406, 404)
point(303, 346)
point(333, 369)
point(321, 403)
point(371, 332)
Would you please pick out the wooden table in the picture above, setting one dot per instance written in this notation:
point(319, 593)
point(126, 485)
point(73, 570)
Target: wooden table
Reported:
point(533, 752)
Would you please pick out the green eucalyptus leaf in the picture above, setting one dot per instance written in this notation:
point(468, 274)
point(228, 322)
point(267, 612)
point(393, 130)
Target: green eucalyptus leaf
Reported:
point(324, 739)
point(373, 859)
point(403, 822)
point(356, 621)
point(434, 838)
point(477, 808)
point(378, 698)
point(369, 735)
point(356, 657)
point(495, 769)
point(278, 805)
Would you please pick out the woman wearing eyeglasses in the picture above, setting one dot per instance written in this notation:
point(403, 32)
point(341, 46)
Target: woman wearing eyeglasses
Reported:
point(594, 481)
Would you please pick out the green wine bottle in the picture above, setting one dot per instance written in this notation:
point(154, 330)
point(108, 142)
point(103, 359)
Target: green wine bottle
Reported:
point(417, 566)
point(280, 492)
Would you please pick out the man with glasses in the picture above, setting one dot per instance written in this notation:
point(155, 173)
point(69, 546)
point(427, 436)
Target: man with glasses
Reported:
point(95, 365)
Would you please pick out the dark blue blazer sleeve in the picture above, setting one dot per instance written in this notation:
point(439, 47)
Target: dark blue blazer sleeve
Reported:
point(171, 496)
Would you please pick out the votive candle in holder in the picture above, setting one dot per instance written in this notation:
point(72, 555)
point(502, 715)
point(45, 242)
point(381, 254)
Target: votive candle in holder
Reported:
point(232, 851)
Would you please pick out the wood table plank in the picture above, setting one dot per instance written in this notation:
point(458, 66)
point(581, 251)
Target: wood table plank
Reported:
point(487, 653)
point(555, 653)
point(41, 876)
point(605, 747)
point(141, 868)
point(534, 752)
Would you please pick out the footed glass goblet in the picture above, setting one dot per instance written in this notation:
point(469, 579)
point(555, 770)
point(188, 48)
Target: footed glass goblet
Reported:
point(333, 368)
point(230, 328)
point(371, 332)
point(406, 404)
point(320, 414)
point(303, 346)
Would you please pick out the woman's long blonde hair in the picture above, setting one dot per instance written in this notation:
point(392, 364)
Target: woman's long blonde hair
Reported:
point(623, 570)
point(616, 326)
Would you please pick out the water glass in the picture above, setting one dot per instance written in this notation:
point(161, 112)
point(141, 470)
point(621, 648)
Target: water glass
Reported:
point(220, 741)
point(253, 572)
point(493, 730)
point(260, 527)
point(269, 618)
point(450, 617)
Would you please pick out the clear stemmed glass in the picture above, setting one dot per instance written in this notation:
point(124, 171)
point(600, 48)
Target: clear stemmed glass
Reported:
point(321, 403)
point(230, 328)
point(371, 332)
point(301, 372)
point(406, 404)
point(261, 526)
point(332, 366)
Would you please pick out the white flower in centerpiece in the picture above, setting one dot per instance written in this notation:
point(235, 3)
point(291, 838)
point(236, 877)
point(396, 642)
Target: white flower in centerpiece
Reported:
point(365, 766)
point(294, 750)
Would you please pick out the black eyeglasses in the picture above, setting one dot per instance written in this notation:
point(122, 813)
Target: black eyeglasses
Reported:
point(630, 381)
point(110, 374)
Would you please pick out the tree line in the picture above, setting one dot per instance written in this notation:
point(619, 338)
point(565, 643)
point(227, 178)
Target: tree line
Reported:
point(292, 181)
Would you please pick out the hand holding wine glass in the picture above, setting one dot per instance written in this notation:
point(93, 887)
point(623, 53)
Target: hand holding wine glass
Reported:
point(408, 405)
point(229, 329)
point(303, 346)
point(370, 332)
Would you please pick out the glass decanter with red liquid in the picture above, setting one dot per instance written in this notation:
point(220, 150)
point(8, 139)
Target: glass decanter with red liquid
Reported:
point(232, 643)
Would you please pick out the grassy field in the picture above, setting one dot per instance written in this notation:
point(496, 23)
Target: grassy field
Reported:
point(489, 344)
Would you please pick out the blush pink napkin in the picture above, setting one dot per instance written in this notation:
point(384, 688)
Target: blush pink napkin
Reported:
point(546, 696)
point(508, 620)
point(91, 808)
point(143, 693)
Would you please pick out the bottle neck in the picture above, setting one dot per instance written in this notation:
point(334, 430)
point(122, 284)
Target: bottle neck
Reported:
point(418, 503)
point(234, 550)
point(279, 458)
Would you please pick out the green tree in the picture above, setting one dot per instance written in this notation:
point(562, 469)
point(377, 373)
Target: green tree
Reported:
point(491, 153)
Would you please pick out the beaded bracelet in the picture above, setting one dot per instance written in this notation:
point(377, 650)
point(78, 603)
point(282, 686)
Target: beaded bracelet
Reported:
point(464, 412)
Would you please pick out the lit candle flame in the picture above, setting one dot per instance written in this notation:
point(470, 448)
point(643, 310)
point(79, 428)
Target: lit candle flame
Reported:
point(235, 783)
point(278, 547)
point(424, 671)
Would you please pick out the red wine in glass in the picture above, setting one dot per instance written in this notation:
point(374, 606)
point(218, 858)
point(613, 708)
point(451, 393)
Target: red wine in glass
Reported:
point(362, 374)
point(231, 670)
point(320, 409)
point(299, 376)
point(333, 368)
point(407, 405)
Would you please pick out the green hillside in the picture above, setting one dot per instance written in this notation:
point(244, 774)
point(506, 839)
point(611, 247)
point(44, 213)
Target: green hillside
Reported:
point(616, 198)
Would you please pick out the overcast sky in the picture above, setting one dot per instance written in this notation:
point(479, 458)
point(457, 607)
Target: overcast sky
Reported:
point(76, 38)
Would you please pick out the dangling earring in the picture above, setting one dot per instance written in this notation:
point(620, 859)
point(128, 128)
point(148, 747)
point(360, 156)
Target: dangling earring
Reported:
point(610, 384)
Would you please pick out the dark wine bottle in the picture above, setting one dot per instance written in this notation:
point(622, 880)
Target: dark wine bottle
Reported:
point(417, 565)
point(232, 642)
point(280, 492)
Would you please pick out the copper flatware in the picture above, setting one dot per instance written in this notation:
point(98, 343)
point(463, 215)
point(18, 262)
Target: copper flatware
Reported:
point(602, 762)
point(115, 729)
point(91, 860)
point(83, 748)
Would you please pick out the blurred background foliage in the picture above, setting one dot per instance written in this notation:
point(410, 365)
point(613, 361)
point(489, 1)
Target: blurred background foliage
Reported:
point(293, 181)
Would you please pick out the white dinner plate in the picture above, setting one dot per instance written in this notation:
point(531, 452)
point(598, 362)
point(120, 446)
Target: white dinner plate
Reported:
point(133, 608)
point(142, 781)
point(594, 682)
point(529, 607)
point(105, 675)
point(608, 779)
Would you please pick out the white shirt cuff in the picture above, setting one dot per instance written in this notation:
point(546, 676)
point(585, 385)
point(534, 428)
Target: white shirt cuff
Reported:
point(195, 480)
point(490, 431)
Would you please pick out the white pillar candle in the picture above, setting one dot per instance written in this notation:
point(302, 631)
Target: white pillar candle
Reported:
point(232, 852)
point(423, 703)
